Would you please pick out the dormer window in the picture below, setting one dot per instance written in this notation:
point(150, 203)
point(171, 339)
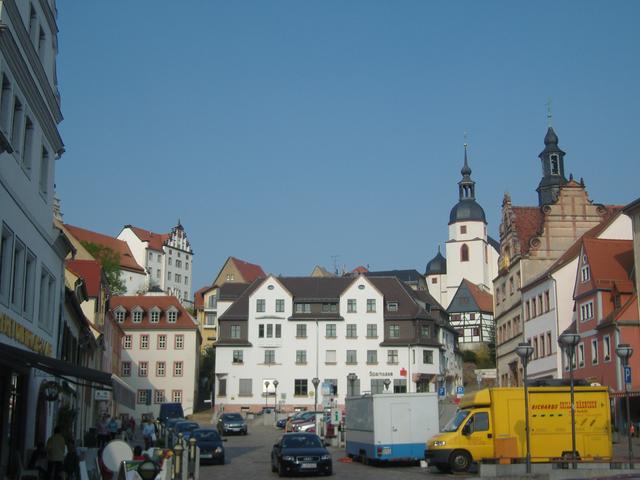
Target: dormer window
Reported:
point(392, 306)
point(172, 316)
point(155, 315)
point(120, 315)
point(137, 315)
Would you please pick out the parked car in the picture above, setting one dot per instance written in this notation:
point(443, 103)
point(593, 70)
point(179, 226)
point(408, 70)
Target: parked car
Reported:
point(308, 419)
point(210, 443)
point(309, 426)
point(300, 453)
point(295, 416)
point(185, 428)
point(170, 410)
point(232, 423)
point(169, 424)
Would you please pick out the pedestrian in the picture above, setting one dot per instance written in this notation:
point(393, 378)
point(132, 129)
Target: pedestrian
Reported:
point(148, 434)
point(72, 462)
point(56, 449)
point(38, 460)
point(112, 426)
point(103, 432)
point(632, 430)
point(131, 428)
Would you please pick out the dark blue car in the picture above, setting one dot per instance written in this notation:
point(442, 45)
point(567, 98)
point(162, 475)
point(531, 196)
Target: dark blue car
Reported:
point(300, 453)
point(210, 443)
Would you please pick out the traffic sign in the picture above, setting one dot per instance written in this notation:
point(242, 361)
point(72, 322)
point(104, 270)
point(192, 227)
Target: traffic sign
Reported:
point(441, 392)
point(460, 391)
point(627, 374)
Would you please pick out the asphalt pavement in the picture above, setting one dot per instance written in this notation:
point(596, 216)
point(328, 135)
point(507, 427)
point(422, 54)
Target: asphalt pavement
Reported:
point(249, 457)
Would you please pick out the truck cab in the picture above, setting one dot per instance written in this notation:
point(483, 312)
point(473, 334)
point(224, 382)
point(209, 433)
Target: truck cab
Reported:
point(467, 436)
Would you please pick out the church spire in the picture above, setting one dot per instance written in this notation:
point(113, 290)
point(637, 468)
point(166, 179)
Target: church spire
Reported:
point(466, 186)
point(552, 159)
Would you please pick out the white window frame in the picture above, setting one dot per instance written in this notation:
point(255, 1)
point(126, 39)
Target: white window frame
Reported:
point(606, 348)
point(594, 352)
point(586, 311)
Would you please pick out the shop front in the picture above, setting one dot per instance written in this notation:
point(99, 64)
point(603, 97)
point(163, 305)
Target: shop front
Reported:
point(37, 391)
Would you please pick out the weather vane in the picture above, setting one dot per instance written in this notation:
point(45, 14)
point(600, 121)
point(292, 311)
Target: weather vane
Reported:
point(465, 139)
point(549, 116)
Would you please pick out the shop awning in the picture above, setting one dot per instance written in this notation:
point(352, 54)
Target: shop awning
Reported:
point(122, 393)
point(58, 368)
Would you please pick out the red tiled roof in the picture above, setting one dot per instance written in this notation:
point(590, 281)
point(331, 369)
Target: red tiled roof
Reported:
point(198, 297)
point(249, 271)
point(155, 240)
point(126, 257)
point(528, 222)
point(360, 269)
point(90, 271)
point(483, 299)
point(609, 260)
point(163, 302)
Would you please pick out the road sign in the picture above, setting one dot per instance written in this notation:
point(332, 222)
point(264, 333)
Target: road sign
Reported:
point(460, 391)
point(441, 392)
point(627, 374)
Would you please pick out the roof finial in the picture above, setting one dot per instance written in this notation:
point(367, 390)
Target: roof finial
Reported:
point(466, 171)
point(549, 115)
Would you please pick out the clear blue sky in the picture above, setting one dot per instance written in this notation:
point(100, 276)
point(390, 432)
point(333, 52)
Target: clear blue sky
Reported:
point(285, 132)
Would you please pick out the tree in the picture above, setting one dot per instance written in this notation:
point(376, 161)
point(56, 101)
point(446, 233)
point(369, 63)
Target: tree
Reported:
point(110, 262)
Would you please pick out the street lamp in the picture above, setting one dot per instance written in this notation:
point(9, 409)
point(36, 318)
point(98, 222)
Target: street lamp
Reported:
point(316, 382)
point(352, 377)
point(266, 394)
point(524, 351)
point(387, 382)
point(568, 343)
point(275, 402)
point(624, 351)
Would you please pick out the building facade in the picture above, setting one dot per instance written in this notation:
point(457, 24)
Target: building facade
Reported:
point(295, 329)
point(166, 257)
point(548, 300)
point(211, 301)
point(32, 250)
point(471, 315)
point(160, 352)
point(531, 240)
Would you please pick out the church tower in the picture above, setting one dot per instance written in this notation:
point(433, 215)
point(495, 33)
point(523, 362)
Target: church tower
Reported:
point(470, 253)
point(553, 178)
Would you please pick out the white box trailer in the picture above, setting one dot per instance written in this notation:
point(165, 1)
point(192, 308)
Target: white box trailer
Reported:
point(390, 427)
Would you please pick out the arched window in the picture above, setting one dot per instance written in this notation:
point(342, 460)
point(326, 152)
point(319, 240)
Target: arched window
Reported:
point(464, 253)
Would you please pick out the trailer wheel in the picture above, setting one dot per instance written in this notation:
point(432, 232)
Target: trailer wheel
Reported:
point(460, 461)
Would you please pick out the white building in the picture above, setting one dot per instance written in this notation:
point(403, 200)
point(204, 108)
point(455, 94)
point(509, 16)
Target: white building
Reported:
point(547, 301)
point(159, 352)
point(32, 250)
point(470, 253)
point(166, 257)
point(295, 329)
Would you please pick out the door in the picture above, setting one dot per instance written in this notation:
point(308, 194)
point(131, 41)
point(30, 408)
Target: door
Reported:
point(400, 423)
point(479, 435)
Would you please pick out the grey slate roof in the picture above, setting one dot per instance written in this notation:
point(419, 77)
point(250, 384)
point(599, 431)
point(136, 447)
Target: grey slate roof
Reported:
point(402, 275)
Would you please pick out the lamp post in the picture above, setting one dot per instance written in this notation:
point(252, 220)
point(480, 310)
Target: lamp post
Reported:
point(352, 377)
point(316, 382)
point(568, 343)
point(386, 382)
point(266, 394)
point(275, 402)
point(624, 351)
point(524, 351)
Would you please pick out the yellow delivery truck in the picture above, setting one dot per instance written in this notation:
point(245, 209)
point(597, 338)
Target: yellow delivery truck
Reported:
point(490, 425)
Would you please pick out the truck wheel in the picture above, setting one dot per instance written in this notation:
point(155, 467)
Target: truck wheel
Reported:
point(460, 461)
